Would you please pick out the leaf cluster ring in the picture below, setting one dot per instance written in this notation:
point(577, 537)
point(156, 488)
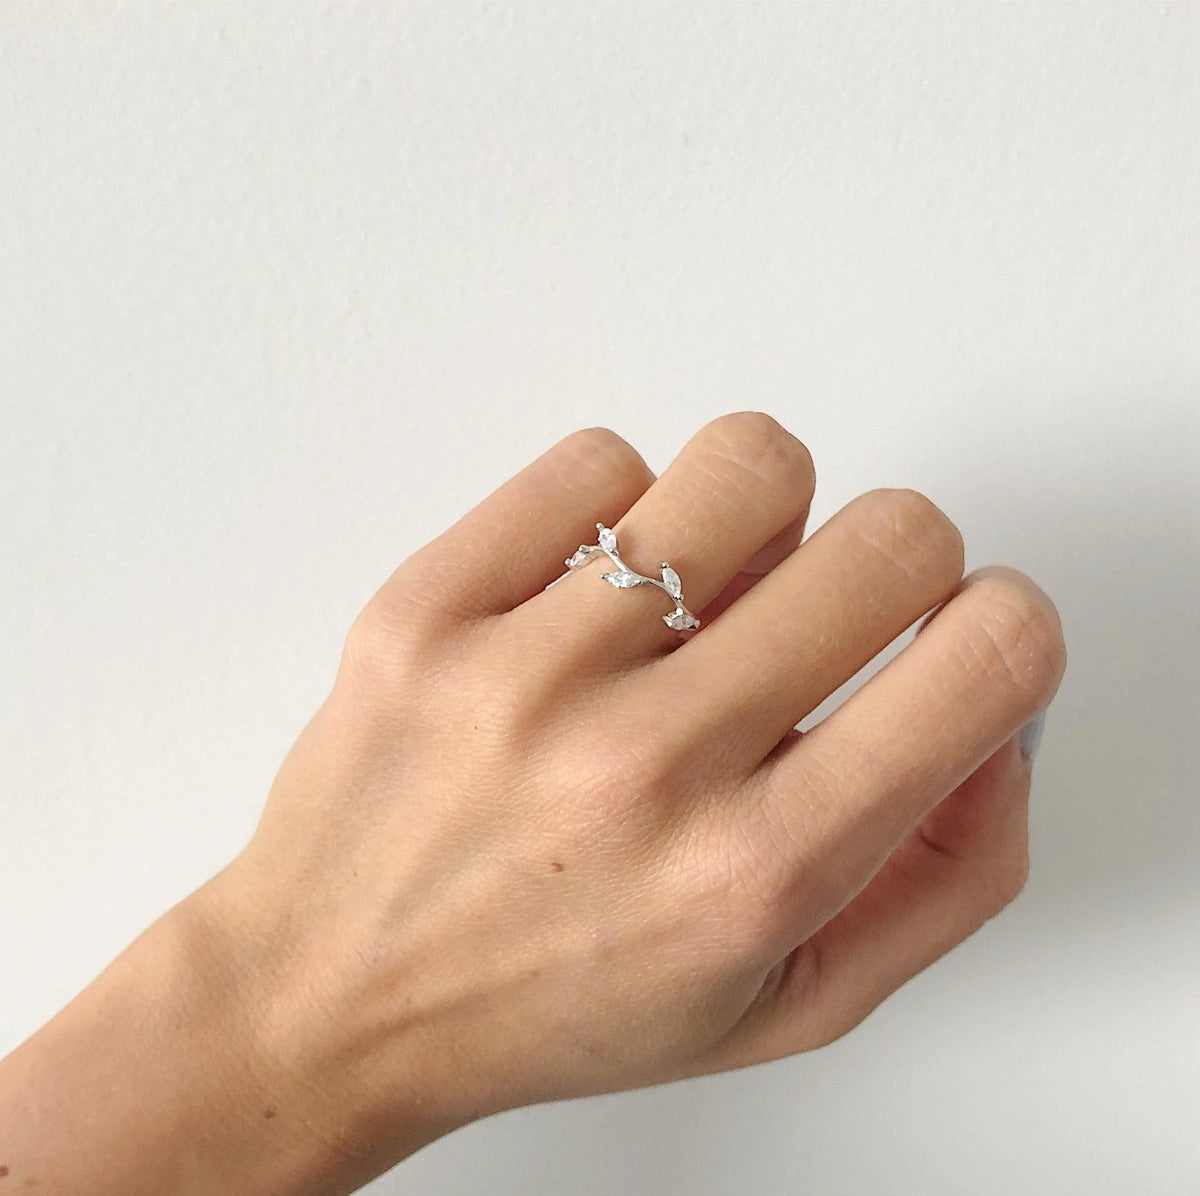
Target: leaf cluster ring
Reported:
point(623, 577)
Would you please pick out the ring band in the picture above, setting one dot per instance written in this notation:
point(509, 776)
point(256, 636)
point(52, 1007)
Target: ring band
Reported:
point(623, 577)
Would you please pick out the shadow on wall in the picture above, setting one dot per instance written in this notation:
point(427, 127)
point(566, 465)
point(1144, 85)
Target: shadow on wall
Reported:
point(1116, 792)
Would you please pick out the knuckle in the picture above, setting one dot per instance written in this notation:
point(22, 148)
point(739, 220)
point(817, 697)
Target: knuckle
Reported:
point(761, 445)
point(1017, 637)
point(748, 864)
point(800, 813)
point(1003, 882)
point(600, 450)
point(719, 876)
point(911, 531)
point(365, 645)
point(761, 871)
point(609, 779)
point(421, 597)
point(629, 798)
point(377, 653)
point(989, 881)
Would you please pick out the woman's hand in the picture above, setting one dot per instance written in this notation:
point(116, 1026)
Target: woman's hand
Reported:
point(536, 845)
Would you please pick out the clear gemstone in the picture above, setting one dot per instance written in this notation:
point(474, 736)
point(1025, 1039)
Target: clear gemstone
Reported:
point(622, 579)
point(581, 557)
point(671, 580)
point(608, 539)
point(680, 620)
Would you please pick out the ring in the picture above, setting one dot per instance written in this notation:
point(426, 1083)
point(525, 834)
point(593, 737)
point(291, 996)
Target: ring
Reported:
point(623, 577)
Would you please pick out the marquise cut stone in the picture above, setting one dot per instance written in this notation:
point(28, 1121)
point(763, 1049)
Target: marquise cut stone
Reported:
point(671, 581)
point(622, 579)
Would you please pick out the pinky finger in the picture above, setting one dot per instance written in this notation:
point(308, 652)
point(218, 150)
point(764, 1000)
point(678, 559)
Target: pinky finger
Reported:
point(965, 862)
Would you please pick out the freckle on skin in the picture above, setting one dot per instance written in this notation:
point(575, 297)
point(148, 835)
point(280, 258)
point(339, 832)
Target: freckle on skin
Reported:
point(557, 866)
point(3, 1170)
point(268, 1113)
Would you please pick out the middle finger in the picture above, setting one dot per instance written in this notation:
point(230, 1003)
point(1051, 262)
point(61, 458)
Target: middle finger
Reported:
point(740, 481)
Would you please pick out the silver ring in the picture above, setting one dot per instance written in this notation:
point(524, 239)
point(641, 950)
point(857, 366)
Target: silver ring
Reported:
point(623, 577)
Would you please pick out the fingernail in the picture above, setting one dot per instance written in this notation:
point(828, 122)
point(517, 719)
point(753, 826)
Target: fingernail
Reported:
point(1031, 736)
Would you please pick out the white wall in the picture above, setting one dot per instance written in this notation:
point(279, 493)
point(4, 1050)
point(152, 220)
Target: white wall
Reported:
point(284, 290)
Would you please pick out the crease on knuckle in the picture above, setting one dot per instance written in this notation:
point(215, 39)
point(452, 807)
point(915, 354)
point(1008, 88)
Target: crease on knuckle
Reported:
point(911, 534)
point(1015, 642)
point(752, 449)
point(820, 1014)
point(823, 1020)
point(913, 868)
point(992, 879)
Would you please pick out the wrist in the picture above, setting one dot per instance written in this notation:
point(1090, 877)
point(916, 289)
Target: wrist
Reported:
point(340, 1073)
point(250, 1067)
point(199, 1062)
point(299, 1103)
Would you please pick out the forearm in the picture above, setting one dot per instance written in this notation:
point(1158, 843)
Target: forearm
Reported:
point(172, 1073)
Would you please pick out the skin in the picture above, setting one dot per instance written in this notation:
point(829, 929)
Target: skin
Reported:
point(536, 845)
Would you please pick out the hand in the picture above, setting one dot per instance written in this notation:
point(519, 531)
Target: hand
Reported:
point(539, 845)
point(535, 844)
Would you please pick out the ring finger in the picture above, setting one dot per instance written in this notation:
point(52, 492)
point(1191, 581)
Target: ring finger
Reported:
point(809, 625)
